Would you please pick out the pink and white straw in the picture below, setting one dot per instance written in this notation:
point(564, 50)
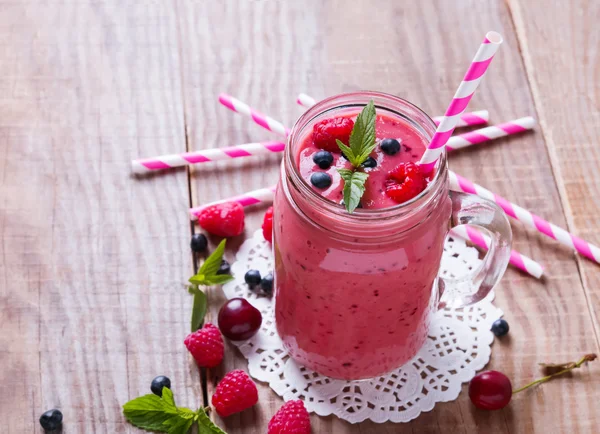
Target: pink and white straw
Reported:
point(461, 99)
point(479, 117)
point(204, 156)
point(265, 121)
point(584, 248)
point(490, 133)
point(254, 197)
point(517, 259)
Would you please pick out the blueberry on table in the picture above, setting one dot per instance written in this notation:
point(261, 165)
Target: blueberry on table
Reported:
point(252, 278)
point(500, 327)
point(320, 179)
point(158, 383)
point(51, 420)
point(224, 268)
point(323, 159)
point(266, 284)
point(198, 243)
point(369, 163)
point(390, 146)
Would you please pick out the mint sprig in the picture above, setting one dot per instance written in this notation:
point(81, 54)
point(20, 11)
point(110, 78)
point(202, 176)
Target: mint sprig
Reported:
point(362, 143)
point(206, 276)
point(153, 413)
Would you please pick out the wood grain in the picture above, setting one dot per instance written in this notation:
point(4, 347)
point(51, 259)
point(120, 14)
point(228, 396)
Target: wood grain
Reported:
point(93, 260)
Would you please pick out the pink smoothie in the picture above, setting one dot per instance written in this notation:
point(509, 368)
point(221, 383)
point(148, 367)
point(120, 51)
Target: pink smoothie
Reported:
point(352, 307)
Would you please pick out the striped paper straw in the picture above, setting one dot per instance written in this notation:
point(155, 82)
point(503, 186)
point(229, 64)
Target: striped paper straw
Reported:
point(586, 249)
point(461, 99)
point(251, 198)
point(517, 259)
point(466, 119)
point(261, 148)
point(206, 155)
point(265, 121)
point(490, 133)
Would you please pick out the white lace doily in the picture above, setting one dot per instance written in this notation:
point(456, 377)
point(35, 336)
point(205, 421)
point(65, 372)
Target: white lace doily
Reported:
point(458, 346)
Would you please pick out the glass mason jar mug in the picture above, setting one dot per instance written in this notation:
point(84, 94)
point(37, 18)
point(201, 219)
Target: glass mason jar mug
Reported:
point(354, 293)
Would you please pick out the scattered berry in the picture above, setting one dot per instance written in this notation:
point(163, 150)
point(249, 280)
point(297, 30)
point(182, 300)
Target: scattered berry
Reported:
point(405, 182)
point(252, 278)
point(490, 390)
point(224, 268)
point(266, 284)
point(234, 393)
point(206, 346)
point(323, 159)
point(390, 146)
point(239, 320)
point(500, 327)
point(223, 220)
point(198, 243)
point(51, 420)
point(320, 179)
point(369, 163)
point(158, 383)
point(327, 131)
point(267, 226)
point(291, 418)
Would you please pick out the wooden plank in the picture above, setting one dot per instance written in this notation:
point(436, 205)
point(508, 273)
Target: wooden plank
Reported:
point(565, 96)
point(267, 52)
point(93, 264)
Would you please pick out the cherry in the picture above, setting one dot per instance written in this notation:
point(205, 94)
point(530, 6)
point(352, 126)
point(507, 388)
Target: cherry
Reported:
point(490, 390)
point(239, 320)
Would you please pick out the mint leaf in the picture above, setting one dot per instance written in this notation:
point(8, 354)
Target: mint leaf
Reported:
point(211, 265)
point(362, 138)
point(218, 279)
point(354, 187)
point(198, 309)
point(154, 413)
point(150, 412)
point(180, 426)
point(206, 426)
point(346, 151)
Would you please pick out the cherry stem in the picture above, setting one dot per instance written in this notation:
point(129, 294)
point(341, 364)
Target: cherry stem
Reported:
point(570, 367)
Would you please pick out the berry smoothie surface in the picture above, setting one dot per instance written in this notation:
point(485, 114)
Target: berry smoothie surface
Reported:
point(409, 144)
point(349, 306)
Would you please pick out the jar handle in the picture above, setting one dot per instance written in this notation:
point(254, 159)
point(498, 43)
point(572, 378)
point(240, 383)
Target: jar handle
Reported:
point(488, 218)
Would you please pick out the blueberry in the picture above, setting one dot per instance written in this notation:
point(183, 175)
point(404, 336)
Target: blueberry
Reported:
point(198, 243)
point(500, 327)
point(370, 162)
point(252, 278)
point(320, 179)
point(390, 146)
point(51, 420)
point(158, 383)
point(323, 159)
point(225, 268)
point(266, 284)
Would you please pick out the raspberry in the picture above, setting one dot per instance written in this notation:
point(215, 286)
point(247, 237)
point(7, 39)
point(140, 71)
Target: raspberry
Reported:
point(327, 131)
point(206, 345)
point(223, 220)
point(235, 392)
point(291, 418)
point(405, 182)
point(267, 225)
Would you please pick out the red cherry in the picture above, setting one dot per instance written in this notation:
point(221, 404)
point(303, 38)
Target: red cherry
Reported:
point(239, 320)
point(490, 390)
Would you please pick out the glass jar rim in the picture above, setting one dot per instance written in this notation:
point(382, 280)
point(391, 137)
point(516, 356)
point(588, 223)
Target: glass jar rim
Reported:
point(357, 99)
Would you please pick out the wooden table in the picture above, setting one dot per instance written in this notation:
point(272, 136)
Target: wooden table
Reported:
point(93, 261)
